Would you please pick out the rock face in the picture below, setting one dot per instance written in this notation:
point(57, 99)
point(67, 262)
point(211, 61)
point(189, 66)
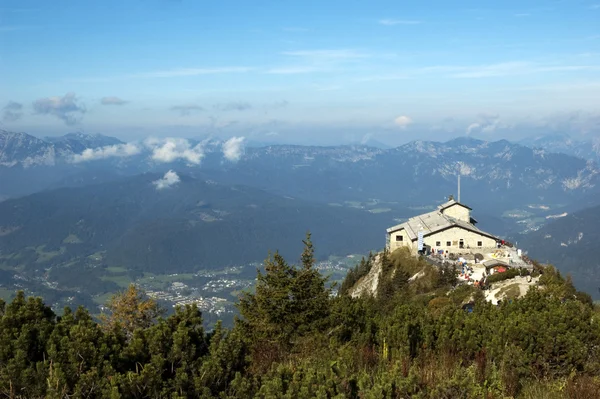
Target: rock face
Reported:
point(368, 284)
point(511, 288)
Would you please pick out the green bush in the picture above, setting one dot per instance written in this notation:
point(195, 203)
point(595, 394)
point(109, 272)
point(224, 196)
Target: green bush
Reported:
point(508, 274)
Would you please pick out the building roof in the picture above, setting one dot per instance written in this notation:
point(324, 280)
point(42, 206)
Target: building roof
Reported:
point(495, 262)
point(434, 222)
point(450, 203)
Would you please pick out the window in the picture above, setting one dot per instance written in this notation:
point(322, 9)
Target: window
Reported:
point(438, 243)
point(448, 243)
point(479, 243)
point(399, 238)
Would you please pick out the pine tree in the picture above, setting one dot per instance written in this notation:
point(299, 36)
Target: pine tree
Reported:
point(288, 301)
point(311, 297)
point(268, 311)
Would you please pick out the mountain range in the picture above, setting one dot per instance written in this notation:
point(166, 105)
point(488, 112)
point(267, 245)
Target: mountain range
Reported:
point(563, 143)
point(498, 175)
point(88, 201)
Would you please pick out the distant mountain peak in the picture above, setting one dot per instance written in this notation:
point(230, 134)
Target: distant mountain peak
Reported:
point(94, 138)
point(465, 140)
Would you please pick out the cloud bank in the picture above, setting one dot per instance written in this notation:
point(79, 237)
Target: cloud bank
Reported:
point(65, 108)
point(172, 148)
point(233, 149)
point(168, 180)
point(109, 151)
point(12, 111)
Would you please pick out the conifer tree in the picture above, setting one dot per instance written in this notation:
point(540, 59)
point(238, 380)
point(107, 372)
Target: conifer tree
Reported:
point(268, 311)
point(311, 297)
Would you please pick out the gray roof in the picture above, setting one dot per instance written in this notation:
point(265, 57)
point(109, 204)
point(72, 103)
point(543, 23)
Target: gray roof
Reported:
point(451, 202)
point(494, 262)
point(433, 222)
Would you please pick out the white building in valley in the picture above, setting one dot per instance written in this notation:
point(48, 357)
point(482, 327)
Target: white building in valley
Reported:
point(450, 228)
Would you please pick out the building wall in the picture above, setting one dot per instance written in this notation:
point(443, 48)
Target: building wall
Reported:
point(394, 244)
point(458, 212)
point(454, 235)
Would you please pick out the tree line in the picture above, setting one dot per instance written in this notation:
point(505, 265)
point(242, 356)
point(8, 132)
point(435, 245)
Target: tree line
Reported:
point(295, 339)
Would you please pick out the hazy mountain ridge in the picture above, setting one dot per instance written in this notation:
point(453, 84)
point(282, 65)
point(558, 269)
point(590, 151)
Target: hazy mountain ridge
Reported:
point(22, 149)
point(570, 242)
point(563, 143)
point(499, 175)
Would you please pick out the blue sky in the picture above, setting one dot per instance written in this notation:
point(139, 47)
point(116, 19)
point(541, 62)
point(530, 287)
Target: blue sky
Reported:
point(307, 71)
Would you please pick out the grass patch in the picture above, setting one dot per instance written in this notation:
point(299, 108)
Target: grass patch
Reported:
point(380, 210)
point(4, 266)
point(353, 204)
point(122, 281)
point(72, 239)
point(44, 256)
point(517, 214)
point(162, 281)
point(116, 269)
point(103, 299)
point(510, 291)
point(97, 256)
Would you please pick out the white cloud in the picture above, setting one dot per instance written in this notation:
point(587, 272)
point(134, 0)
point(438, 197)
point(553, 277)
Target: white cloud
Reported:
point(64, 108)
point(169, 179)
point(472, 127)
point(403, 121)
point(383, 77)
point(505, 69)
point(292, 70)
point(337, 54)
point(487, 123)
point(109, 151)
point(171, 149)
point(392, 22)
point(233, 149)
point(112, 101)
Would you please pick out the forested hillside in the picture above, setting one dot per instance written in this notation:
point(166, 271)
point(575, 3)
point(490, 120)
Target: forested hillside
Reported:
point(194, 224)
point(295, 340)
point(570, 243)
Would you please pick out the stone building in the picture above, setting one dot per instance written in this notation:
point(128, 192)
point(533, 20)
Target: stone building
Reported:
point(449, 228)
